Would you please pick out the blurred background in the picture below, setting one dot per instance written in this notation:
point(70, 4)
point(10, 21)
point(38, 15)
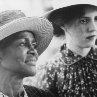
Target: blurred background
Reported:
point(29, 7)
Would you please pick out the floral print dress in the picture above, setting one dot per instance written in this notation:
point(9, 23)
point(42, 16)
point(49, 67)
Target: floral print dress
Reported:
point(70, 75)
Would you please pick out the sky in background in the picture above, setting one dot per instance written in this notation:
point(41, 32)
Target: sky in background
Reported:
point(30, 7)
point(37, 7)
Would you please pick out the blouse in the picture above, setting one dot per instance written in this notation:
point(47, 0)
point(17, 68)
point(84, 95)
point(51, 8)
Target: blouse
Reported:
point(30, 91)
point(70, 75)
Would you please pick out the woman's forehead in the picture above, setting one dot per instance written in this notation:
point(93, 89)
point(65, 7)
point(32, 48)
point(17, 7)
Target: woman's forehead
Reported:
point(26, 35)
point(90, 11)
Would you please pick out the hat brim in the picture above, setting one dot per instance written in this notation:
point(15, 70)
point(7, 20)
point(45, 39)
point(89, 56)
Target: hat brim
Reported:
point(57, 4)
point(41, 28)
point(56, 16)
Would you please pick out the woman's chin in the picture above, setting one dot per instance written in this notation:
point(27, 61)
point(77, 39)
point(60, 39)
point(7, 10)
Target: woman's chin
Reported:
point(26, 71)
point(31, 71)
point(89, 45)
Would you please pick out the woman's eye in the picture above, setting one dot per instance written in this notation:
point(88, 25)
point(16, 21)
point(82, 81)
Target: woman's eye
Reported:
point(84, 21)
point(34, 44)
point(22, 44)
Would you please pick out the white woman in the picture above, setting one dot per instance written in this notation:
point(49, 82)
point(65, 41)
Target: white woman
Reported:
point(73, 71)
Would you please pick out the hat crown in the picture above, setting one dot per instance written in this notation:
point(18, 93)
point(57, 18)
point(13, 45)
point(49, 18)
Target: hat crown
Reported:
point(10, 15)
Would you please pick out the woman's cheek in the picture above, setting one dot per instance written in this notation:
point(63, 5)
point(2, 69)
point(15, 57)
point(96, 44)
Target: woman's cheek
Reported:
point(22, 54)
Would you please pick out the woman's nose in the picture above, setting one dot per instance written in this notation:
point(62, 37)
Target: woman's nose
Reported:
point(32, 50)
point(92, 27)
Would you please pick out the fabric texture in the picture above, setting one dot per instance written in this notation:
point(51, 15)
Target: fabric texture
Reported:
point(70, 75)
point(31, 92)
point(35, 92)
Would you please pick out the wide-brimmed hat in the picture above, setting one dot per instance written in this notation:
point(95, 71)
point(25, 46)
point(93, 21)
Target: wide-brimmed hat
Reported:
point(13, 21)
point(56, 14)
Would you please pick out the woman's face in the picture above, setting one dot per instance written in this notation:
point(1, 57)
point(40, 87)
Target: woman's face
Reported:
point(83, 32)
point(20, 57)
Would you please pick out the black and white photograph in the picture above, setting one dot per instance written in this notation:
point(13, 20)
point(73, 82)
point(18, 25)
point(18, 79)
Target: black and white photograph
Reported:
point(48, 48)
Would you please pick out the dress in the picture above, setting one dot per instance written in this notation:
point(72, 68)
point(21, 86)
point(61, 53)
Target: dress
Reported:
point(35, 92)
point(30, 91)
point(70, 75)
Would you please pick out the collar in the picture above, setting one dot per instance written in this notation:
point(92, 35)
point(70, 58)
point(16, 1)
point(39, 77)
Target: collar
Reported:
point(93, 53)
point(70, 57)
point(3, 95)
point(23, 94)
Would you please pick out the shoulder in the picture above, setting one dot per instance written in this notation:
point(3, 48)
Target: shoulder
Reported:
point(36, 92)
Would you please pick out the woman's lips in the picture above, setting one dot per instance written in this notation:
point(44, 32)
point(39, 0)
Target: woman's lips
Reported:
point(91, 37)
point(31, 62)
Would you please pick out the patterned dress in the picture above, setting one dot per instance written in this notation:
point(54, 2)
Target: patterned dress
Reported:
point(70, 75)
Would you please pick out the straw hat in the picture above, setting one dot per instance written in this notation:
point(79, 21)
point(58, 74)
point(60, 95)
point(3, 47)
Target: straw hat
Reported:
point(55, 15)
point(12, 21)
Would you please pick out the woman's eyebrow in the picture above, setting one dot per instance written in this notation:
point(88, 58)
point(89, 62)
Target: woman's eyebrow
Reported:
point(84, 17)
point(28, 40)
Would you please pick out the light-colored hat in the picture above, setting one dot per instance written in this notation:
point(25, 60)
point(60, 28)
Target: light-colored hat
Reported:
point(55, 15)
point(13, 21)
point(57, 4)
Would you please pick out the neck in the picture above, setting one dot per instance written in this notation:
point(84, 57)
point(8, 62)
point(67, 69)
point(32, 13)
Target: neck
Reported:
point(10, 84)
point(77, 49)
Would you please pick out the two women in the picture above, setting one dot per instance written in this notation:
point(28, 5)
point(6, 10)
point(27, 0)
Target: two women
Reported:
point(22, 39)
point(73, 71)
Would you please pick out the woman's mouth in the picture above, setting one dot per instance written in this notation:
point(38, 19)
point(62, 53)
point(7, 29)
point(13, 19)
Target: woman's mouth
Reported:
point(91, 37)
point(31, 62)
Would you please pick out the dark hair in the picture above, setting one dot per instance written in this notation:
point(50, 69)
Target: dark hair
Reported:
point(57, 30)
point(68, 14)
point(10, 39)
point(96, 42)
